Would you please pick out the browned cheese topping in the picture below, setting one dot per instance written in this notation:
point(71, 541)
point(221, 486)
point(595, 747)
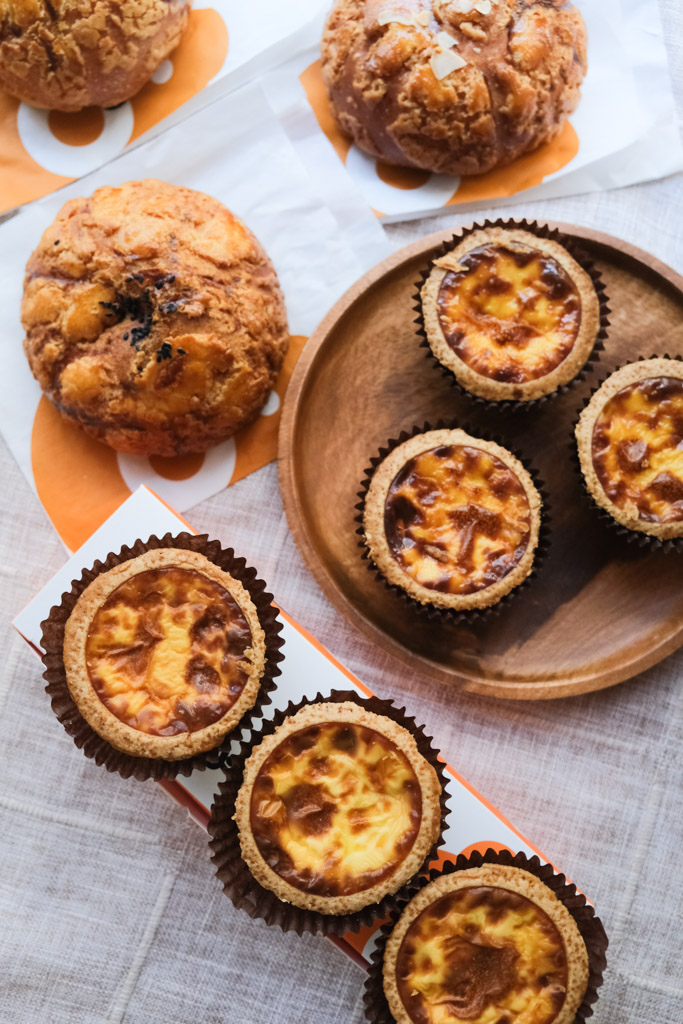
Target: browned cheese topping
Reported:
point(638, 449)
point(485, 955)
point(510, 314)
point(335, 809)
point(457, 519)
point(165, 651)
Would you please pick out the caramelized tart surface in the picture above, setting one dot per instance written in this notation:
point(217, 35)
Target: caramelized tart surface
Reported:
point(335, 808)
point(510, 313)
point(165, 651)
point(485, 955)
point(637, 449)
point(457, 519)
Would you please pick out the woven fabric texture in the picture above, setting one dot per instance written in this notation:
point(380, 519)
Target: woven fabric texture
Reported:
point(109, 909)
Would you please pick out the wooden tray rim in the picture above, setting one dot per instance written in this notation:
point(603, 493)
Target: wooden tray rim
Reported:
point(523, 690)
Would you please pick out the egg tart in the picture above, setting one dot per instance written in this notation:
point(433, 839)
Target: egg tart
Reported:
point(452, 520)
point(510, 314)
point(164, 654)
point(487, 945)
point(630, 444)
point(337, 808)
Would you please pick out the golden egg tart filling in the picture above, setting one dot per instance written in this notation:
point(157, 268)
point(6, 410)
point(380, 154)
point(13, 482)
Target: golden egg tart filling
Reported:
point(164, 654)
point(452, 519)
point(630, 442)
point(488, 945)
point(512, 315)
point(337, 809)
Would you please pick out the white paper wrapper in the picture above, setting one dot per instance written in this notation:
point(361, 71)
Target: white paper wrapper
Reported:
point(236, 151)
point(625, 124)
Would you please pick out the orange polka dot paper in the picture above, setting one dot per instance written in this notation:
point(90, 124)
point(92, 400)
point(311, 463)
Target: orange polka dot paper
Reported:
point(80, 481)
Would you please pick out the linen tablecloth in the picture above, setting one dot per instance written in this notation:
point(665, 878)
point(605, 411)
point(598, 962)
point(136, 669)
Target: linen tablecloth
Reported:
point(109, 909)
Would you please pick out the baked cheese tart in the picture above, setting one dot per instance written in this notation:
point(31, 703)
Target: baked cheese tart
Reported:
point(512, 315)
point(164, 654)
point(337, 809)
point(630, 443)
point(452, 520)
point(486, 945)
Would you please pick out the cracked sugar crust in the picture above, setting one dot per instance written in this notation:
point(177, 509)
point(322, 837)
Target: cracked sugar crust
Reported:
point(70, 54)
point(510, 879)
point(154, 319)
point(524, 62)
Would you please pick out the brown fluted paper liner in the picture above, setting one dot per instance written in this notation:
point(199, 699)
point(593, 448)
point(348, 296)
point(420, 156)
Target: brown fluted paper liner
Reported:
point(542, 231)
point(239, 884)
point(63, 705)
point(431, 612)
point(592, 932)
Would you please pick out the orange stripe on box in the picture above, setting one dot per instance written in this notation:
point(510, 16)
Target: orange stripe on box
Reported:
point(177, 792)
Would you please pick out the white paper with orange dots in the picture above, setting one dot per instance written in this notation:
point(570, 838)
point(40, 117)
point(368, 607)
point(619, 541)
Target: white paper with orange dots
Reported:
point(236, 151)
point(225, 44)
point(308, 669)
point(624, 130)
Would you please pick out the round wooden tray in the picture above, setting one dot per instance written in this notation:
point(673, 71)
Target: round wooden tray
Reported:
point(601, 609)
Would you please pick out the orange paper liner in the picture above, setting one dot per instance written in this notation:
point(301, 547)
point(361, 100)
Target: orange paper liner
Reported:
point(592, 932)
point(239, 884)
point(63, 704)
point(542, 231)
point(643, 540)
point(431, 612)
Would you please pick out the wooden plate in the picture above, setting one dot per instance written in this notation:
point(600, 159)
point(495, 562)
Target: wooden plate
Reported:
point(601, 609)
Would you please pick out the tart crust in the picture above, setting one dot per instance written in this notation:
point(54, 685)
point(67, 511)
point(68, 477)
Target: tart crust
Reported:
point(511, 879)
point(430, 824)
point(486, 387)
point(375, 534)
point(116, 732)
point(633, 373)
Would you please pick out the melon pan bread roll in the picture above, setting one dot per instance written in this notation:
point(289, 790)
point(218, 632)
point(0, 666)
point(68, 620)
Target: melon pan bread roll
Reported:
point(154, 319)
point(453, 86)
point(70, 54)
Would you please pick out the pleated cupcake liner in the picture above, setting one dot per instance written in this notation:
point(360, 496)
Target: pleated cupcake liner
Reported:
point(590, 927)
point(240, 886)
point(584, 261)
point(432, 613)
point(65, 708)
point(642, 540)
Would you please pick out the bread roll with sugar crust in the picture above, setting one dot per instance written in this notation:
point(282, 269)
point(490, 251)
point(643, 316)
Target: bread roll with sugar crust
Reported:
point(70, 54)
point(453, 86)
point(154, 319)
